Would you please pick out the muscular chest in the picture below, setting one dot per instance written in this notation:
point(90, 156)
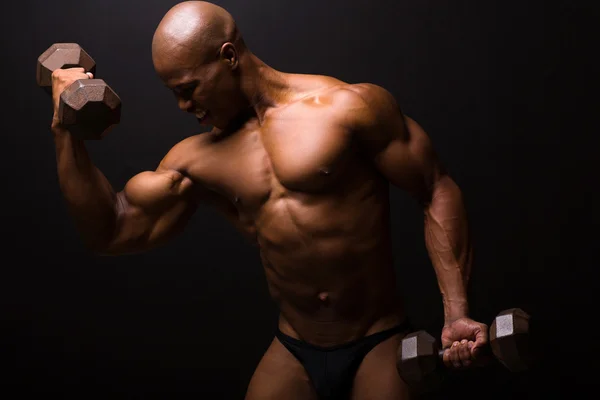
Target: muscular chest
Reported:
point(259, 163)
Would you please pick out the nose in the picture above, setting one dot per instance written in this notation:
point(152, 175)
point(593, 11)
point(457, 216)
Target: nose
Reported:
point(185, 104)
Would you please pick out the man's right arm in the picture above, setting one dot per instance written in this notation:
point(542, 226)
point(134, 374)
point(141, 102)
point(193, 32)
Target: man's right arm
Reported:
point(152, 207)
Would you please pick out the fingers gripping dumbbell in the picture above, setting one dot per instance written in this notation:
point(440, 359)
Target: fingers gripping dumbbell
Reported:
point(420, 363)
point(88, 108)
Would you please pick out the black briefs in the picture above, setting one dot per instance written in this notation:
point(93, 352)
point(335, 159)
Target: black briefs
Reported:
point(332, 369)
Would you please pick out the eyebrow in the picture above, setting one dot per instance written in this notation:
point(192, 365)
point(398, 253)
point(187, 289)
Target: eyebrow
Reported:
point(186, 85)
point(182, 86)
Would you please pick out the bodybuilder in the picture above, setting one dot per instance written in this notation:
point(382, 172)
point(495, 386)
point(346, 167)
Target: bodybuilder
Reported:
point(302, 165)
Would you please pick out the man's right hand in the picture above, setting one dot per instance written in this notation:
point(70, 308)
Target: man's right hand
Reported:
point(62, 79)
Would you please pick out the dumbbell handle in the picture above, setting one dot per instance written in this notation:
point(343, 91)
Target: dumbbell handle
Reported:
point(484, 351)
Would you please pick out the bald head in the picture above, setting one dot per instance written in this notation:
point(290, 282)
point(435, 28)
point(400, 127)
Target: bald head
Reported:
point(193, 32)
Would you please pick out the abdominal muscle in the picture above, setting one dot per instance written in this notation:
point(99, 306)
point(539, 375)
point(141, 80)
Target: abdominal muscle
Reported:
point(329, 268)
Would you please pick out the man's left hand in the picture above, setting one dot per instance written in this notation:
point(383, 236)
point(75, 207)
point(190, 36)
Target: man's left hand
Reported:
point(463, 340)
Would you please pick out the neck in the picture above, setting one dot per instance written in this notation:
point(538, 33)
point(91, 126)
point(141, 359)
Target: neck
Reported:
point(262, 86)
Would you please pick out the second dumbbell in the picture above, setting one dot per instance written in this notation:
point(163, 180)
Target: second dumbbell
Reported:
point(419, 360)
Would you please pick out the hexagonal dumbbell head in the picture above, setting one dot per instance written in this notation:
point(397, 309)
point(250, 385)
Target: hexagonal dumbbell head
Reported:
point(89, 108)
point(61, 56)
point(418, 361)
point(509, 339)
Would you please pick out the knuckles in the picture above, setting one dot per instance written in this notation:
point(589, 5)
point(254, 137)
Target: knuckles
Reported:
point(67, 75)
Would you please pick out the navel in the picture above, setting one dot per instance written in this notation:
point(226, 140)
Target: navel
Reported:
point(325, 171)
point(324, 297)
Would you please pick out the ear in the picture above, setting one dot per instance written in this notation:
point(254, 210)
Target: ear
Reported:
point(229, 55)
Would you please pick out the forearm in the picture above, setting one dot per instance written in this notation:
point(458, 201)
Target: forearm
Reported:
point(89, 196)
point(449, 246)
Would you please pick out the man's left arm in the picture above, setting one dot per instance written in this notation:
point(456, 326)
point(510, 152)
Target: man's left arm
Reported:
point(403, 153)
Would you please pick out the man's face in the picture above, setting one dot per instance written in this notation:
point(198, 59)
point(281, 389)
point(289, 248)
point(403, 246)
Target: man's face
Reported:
point(209, 90)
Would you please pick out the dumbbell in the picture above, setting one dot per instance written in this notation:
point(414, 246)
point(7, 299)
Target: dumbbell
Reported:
point(419, 361)
point(88, 108)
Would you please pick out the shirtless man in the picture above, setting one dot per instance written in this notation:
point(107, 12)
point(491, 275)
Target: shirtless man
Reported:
point(301, 164)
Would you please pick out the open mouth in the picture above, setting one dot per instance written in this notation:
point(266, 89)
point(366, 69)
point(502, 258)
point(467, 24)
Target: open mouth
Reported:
point(201, 115)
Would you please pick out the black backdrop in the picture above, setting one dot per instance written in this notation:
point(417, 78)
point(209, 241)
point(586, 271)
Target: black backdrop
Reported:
point(506, 90)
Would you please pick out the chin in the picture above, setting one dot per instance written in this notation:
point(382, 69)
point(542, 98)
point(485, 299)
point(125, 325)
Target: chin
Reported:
point(216, 124)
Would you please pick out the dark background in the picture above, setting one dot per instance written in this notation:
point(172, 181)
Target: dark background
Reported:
point(506, 90)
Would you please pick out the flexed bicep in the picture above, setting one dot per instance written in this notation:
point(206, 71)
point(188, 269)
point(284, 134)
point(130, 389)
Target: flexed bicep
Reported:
point(152, 208)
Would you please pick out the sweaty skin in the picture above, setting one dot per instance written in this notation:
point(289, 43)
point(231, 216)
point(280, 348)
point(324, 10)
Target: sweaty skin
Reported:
point(300, 164)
